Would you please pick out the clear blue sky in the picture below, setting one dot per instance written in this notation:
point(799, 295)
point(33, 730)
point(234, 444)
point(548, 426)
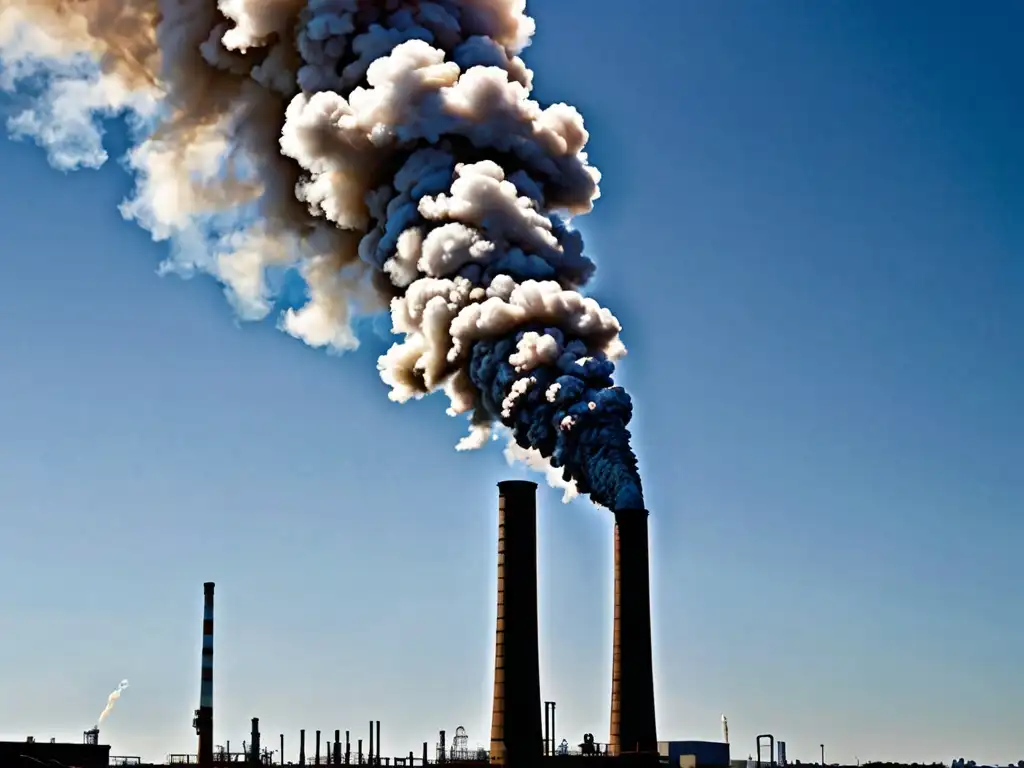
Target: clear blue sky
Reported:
point(812, 230)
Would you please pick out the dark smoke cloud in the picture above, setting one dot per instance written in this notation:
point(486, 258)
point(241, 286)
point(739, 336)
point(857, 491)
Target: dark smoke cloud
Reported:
point(389, 152)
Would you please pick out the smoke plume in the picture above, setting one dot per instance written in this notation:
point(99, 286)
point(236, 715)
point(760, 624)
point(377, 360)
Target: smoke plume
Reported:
point(389, 153)
point(111, 700)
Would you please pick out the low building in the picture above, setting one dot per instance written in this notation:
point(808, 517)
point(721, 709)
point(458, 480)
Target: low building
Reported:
point(31, 753)
point(694, 754)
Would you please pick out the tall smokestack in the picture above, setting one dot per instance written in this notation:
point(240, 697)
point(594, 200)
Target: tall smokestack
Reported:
point(516, 734)
point(204, 715)
point(632, 714)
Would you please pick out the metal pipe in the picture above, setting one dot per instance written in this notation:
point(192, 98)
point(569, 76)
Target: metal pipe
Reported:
point(302, 747)
point(424, 753)
point(633, 727)
point(204, 715)
point(336, 757)
point(282, 749)
point(369, 746)
point(359, 754)
point(348, 749)
point(317, 748)
point(516, 733)
point(378, 742)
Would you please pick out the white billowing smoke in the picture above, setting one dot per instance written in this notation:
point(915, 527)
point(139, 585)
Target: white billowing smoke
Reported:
point(111, 700)
point(725, 729)
point(387, 151)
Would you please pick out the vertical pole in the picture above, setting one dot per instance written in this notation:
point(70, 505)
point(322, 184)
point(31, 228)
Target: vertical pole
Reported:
point(547, 728)
point(552, 727)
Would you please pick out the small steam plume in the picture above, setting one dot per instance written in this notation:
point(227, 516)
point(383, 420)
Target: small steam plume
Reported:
point(725, 729)
point(111, 700)
point(387, 153)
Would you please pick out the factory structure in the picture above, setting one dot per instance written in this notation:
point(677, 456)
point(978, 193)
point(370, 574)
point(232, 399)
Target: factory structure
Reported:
point(518, 737)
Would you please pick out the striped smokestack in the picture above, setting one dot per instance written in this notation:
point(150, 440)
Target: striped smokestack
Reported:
point(204, 715)
point(516, 735)
point(632, 716)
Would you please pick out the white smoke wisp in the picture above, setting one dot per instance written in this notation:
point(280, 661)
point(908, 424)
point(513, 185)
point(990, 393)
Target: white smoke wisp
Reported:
point(111, 700)
point(533, 459)
point(382, 153)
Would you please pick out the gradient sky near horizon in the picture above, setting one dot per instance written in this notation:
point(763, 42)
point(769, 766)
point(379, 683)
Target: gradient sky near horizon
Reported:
point(812, 229)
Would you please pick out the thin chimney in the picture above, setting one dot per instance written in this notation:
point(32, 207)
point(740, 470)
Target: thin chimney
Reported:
point(254, 742)
point(204, 715)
